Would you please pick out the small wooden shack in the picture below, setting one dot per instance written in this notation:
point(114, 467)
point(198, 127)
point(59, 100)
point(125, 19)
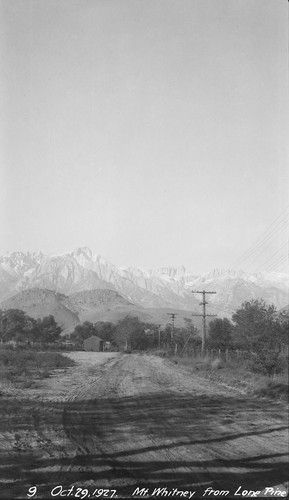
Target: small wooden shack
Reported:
point(93, 343)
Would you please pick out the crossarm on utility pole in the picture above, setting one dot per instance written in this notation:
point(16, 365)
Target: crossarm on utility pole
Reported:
point(204, 315)
point(172, 315)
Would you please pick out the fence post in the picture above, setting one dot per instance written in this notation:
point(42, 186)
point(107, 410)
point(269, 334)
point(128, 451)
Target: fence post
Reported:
point(227, 355)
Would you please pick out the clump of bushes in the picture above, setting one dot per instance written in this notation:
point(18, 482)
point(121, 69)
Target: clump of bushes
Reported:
point(19, 364)
point(269, 362)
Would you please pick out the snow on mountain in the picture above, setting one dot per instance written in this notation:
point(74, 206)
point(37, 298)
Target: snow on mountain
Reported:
point(172, 287)
point(89, 260)
point(65, 274)
point(235, 287)
point(18, 263)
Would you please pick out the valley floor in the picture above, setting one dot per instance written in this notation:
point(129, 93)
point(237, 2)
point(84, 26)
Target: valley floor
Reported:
point(125, 422)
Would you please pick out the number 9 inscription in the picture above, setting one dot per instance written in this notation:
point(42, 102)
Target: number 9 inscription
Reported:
point(32, 491)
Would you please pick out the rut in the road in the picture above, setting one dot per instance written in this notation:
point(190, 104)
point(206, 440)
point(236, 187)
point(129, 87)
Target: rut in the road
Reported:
point(139, 421)
point(157, 435)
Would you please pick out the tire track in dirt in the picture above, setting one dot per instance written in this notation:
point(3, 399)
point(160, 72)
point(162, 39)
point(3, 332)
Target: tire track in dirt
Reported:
point(123, 421)
point(150, 377)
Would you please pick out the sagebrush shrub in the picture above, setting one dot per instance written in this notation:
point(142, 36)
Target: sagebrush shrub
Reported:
point(269, 362)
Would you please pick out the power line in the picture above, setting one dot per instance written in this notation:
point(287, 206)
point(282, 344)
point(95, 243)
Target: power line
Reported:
point(275, 253)
point(277, 263)
point(263, 242)
point(276, 226)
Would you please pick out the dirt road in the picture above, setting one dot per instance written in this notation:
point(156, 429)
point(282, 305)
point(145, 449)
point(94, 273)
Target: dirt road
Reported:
point(127, 422)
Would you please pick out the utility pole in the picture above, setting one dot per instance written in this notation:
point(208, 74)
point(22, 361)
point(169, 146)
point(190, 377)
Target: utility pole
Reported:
point(159, 330)
point(172, 315)
point(204, 315)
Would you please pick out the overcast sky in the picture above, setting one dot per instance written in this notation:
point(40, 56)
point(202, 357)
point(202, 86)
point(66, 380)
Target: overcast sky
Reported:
point(152, 131)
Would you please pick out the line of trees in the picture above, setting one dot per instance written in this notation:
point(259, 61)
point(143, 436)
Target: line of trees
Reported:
point(256, 325)
point(132, 334)
point(258, 329)
point(127, 334)
point(17, 326)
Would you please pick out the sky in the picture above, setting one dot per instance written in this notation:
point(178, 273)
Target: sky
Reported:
point(152, 131)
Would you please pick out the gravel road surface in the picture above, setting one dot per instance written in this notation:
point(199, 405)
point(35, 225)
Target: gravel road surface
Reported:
point(129, 421)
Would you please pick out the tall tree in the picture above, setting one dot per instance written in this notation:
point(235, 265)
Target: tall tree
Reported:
point(256, 325)
point(195, 339)
point(283, 325)
point(48, 330)
point(105, 330)
point(15, 324)
point(127, 331)
point(83, 331)
point(220, 333)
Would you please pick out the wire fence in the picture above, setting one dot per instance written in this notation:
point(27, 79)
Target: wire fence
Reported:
point(223, 354)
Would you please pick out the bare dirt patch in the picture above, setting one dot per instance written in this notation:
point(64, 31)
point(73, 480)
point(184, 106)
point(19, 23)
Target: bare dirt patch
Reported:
point(125, 421)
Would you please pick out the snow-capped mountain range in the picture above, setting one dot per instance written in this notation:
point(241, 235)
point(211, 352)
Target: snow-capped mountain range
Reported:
point(171, 287)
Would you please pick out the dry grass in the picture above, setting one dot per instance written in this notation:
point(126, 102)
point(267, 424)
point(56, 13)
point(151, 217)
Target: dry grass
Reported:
point(23, 367)
point(237, 373)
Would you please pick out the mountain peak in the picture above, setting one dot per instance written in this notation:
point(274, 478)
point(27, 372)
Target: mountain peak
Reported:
point(224, 273)
point(83, 250)
point(17, 263)
point(169, 286)
point(82, 254)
